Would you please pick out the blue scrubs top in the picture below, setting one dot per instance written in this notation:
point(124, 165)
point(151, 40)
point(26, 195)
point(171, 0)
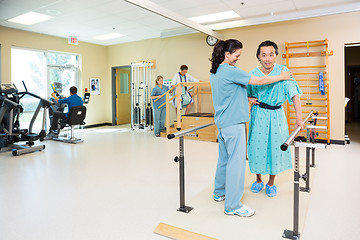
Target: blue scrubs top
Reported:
point(73, 100)
point(230, 100)
point(157, 91)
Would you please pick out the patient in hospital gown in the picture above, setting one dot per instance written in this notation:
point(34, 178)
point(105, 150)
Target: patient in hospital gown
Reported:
point(268, 128)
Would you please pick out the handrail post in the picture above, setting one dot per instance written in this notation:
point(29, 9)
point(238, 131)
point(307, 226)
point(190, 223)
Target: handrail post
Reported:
point(199, 99)
point(294, 234)
point(167, 119)
point(181, 160)
point(178, 106)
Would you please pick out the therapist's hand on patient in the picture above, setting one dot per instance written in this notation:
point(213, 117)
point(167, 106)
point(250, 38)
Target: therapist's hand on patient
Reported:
point(286, 75)
point(253, 100)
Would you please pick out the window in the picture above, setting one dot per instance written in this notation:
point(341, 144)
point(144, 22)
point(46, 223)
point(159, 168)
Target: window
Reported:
point(40, 69)
point(62, 68)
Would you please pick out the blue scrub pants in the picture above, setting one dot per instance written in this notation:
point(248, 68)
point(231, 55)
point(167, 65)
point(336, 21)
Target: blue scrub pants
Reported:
point(230, 170)
point(159, 119)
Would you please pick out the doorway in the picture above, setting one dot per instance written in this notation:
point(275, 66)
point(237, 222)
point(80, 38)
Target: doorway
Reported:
point(352, 82)
point(352, 91)
point(121, 83)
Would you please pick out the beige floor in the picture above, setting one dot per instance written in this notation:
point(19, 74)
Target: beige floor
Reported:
point(120, 184)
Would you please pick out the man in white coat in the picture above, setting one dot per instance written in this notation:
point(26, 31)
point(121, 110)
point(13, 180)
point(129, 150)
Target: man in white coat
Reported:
point(183, 76)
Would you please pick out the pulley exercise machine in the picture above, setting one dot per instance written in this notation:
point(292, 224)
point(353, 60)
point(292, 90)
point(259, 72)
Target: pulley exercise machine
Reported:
point(141, 110)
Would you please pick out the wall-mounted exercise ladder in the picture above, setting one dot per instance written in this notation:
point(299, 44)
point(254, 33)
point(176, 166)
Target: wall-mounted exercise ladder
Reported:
point(309, 63)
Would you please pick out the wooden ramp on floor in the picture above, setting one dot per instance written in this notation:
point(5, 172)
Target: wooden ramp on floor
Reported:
point(197, 119)
point(179, 233)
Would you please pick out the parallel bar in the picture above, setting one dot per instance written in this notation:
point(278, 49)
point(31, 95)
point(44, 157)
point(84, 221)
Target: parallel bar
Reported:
point(184, 132)
point(291, 138)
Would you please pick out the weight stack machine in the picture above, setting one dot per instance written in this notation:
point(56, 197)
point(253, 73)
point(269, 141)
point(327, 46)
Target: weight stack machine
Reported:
point(141, 107)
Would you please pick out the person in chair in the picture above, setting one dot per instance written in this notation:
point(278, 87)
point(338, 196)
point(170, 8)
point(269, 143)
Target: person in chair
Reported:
point(72, 101)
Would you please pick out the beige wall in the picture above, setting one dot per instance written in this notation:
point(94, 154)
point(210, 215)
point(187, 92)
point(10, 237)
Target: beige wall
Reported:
point(192, 50)
point(94, 64)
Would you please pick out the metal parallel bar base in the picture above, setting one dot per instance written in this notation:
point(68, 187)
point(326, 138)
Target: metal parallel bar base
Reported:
point(290, 235)
point(304, 189)
point(185, 209)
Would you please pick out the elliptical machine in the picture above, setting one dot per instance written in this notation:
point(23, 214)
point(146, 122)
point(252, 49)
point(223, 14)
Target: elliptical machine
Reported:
point(10, 132)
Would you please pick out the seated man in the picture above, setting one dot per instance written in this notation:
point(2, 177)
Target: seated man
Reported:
point(72, 101)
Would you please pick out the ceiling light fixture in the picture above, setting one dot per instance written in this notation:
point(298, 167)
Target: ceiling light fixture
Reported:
point(215, 17)
point(30, 18)
point(109, 36)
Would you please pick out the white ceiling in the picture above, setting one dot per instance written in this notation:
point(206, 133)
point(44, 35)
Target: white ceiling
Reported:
point(86, 19)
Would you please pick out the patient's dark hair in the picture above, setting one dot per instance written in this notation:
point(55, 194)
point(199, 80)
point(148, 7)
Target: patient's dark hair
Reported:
point(73, 90)
point(267, 43)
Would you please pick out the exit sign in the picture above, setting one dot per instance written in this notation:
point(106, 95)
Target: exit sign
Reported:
point(73, 40)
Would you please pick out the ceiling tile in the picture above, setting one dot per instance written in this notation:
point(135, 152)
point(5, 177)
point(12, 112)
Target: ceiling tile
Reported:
point(88, 18)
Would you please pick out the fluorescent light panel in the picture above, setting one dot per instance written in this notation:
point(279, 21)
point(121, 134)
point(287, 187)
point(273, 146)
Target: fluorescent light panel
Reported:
point(215, 17)
point(30, 18)
point(109, 36)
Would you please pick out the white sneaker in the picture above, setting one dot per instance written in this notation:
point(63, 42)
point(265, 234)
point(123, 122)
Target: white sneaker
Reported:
point(244, 211)
point(219, 198)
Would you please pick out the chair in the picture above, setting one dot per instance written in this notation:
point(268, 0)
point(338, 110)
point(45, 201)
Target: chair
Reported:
point(76, 117)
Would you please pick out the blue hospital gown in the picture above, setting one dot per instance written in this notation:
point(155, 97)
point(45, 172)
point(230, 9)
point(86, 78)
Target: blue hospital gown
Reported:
point(268, 129)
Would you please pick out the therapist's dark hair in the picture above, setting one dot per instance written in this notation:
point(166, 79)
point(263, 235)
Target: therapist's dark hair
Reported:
point(267, 43)
point(221, 47)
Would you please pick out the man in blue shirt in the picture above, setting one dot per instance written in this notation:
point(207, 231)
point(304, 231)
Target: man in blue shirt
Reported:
point(72, 101)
